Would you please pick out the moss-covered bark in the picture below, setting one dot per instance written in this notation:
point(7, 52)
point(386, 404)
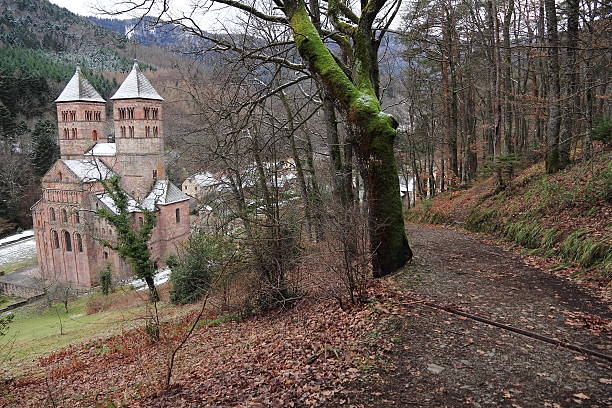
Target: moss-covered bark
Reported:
point(377, 130)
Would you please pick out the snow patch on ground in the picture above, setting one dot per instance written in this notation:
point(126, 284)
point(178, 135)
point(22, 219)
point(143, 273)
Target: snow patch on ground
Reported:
point(161, 277)
point(16, 237)
point(18, 251)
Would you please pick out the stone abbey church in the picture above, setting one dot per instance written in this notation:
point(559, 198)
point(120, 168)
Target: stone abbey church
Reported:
point(67, 230)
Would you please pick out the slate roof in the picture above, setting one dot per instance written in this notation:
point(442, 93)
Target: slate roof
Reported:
point(103, 149)
point(164, 193)
point(136, 85)
point(89, 170)
point(79, 89)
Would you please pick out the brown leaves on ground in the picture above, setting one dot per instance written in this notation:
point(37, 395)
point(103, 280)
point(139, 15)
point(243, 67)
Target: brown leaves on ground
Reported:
point(300, 357)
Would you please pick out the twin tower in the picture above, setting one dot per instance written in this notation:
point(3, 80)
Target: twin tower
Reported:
point(137, 148)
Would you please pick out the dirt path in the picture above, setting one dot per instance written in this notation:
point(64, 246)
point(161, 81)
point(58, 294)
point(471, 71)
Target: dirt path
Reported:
point(443, 360)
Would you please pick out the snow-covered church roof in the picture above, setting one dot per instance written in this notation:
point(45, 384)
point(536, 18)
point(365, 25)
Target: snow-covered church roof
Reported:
point(163, 193)
point(108, 201)
point(79, 89)
point(103, 149)
point(89, 170)
point(136, 85)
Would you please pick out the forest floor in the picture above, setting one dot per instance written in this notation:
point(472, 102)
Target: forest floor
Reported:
point(446, 360)
point(393, 351)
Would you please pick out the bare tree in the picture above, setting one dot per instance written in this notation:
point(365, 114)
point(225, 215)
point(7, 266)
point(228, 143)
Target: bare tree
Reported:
point(354, 86)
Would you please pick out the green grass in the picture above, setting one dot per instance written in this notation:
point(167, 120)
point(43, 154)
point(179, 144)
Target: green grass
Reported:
point(10, 267)
point(232, 317)
point(35, 330)
point(6, 301)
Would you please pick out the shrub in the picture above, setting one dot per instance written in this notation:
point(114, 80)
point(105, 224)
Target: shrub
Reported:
point(602, 130)
point(193, 271)
point(346, 256)
point(106, 283)
point(5, 321)
point(273, 252)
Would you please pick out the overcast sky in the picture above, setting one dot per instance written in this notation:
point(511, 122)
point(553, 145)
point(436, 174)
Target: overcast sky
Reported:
point(212, 19)
point(88, 8)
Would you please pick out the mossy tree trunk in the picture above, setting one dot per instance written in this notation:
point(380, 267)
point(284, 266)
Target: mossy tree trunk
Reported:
point(358, 98)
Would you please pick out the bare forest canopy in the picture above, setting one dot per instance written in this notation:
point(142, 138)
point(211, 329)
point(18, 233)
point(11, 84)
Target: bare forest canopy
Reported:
point(490, 84)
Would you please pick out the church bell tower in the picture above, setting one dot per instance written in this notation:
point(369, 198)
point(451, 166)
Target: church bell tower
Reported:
point(138, 114)
point(81, 117)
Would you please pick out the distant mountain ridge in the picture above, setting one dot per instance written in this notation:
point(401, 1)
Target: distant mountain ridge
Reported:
point(142, 31)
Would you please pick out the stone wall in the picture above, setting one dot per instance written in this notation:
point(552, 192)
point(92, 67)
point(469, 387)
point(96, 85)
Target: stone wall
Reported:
point(78, 133)
point(12, 289)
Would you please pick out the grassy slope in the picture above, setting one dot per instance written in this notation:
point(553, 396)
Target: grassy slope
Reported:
point(35, 330)
point(565, 215)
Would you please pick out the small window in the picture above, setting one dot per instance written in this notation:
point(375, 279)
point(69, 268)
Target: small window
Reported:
point(94, 135)
point(177, 215)
point(77, 218)
point(105, 255)
point(154, 174)
point(52, 213)
point(55, 239)
point(67, 241)
point(60, 176)
point(79, 241)
point(64, 215)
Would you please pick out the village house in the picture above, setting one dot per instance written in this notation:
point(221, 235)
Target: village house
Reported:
point(66, 228)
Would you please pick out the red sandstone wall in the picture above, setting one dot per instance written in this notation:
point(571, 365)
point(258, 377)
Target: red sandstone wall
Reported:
point(140, 155)
point(73, 147)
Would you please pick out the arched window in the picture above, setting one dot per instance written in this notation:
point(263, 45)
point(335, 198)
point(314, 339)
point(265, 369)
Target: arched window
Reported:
point(52, 213)
point(55, 239)
point(131, 130)
point(155, 131)
point(77, 218)
point(79, 242)
point(155, 174)
point(147, 131)
point(64, 215)
point(94, 135)
point(67, 241)
point(177, 215)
